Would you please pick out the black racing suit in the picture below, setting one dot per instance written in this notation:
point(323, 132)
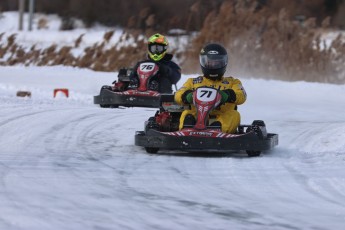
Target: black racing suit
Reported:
point(169, 73)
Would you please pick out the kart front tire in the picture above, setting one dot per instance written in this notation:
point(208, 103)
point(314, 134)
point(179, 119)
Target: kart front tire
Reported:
point(104, 106)
point(101, 92)
point(151, 150)
point(253, 153)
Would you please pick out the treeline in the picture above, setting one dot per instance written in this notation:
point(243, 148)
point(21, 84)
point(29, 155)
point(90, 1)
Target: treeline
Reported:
point(264, 39)
point(267, 43)
point(137, 14)
point(172, 14)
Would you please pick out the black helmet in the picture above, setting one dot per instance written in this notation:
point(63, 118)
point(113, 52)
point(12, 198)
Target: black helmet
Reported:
point(213, 60)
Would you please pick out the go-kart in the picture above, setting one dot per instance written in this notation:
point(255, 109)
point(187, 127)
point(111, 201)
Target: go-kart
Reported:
point(162, 132)
point(141, 92)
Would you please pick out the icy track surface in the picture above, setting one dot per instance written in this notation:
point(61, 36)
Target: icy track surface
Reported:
point(68, 164)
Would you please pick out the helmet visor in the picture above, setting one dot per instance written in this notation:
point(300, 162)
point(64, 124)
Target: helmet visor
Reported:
point(214, 61)
point(156, 48)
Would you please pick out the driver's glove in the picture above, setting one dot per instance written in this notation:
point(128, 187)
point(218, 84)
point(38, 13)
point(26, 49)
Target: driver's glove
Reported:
point(228, 95)
point(187, 97)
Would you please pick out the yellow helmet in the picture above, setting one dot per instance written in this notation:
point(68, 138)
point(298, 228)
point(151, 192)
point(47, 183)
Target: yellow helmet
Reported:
point(157, 46)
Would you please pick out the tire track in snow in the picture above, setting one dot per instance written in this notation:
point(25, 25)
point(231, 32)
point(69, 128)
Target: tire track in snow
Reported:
point(10, 160)
point(319, 147)
point(90, 151)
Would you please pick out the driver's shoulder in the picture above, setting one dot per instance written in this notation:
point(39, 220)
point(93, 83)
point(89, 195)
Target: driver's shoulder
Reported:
point(197, 80)
point(229, 78)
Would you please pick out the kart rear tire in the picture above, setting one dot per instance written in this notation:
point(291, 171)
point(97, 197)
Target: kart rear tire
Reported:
point(151, 124)
point(256, 130)
point(105, 87)
point(104, 106)
point(253, 153)
point(151, 150)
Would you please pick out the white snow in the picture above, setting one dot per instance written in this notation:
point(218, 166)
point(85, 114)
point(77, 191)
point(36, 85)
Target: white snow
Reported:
point(65, 163)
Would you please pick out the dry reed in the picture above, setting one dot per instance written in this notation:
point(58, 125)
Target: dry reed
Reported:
point(261, 43)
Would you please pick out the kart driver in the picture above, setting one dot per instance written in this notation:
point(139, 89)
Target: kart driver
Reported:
point(169, 72)
point(213, 60)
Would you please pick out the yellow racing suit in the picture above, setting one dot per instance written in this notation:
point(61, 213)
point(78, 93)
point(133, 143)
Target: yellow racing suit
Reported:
point(227, 113)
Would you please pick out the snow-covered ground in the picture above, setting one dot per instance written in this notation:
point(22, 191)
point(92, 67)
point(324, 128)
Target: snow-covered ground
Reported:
point(66, 164)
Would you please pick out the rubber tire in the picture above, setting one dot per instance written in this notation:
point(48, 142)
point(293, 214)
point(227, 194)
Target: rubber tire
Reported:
point(151, 150)
point(100, 93)
point(150, 121)
point(258, 132)
point(104, 106)
point(259, 123)
point(252, 153)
